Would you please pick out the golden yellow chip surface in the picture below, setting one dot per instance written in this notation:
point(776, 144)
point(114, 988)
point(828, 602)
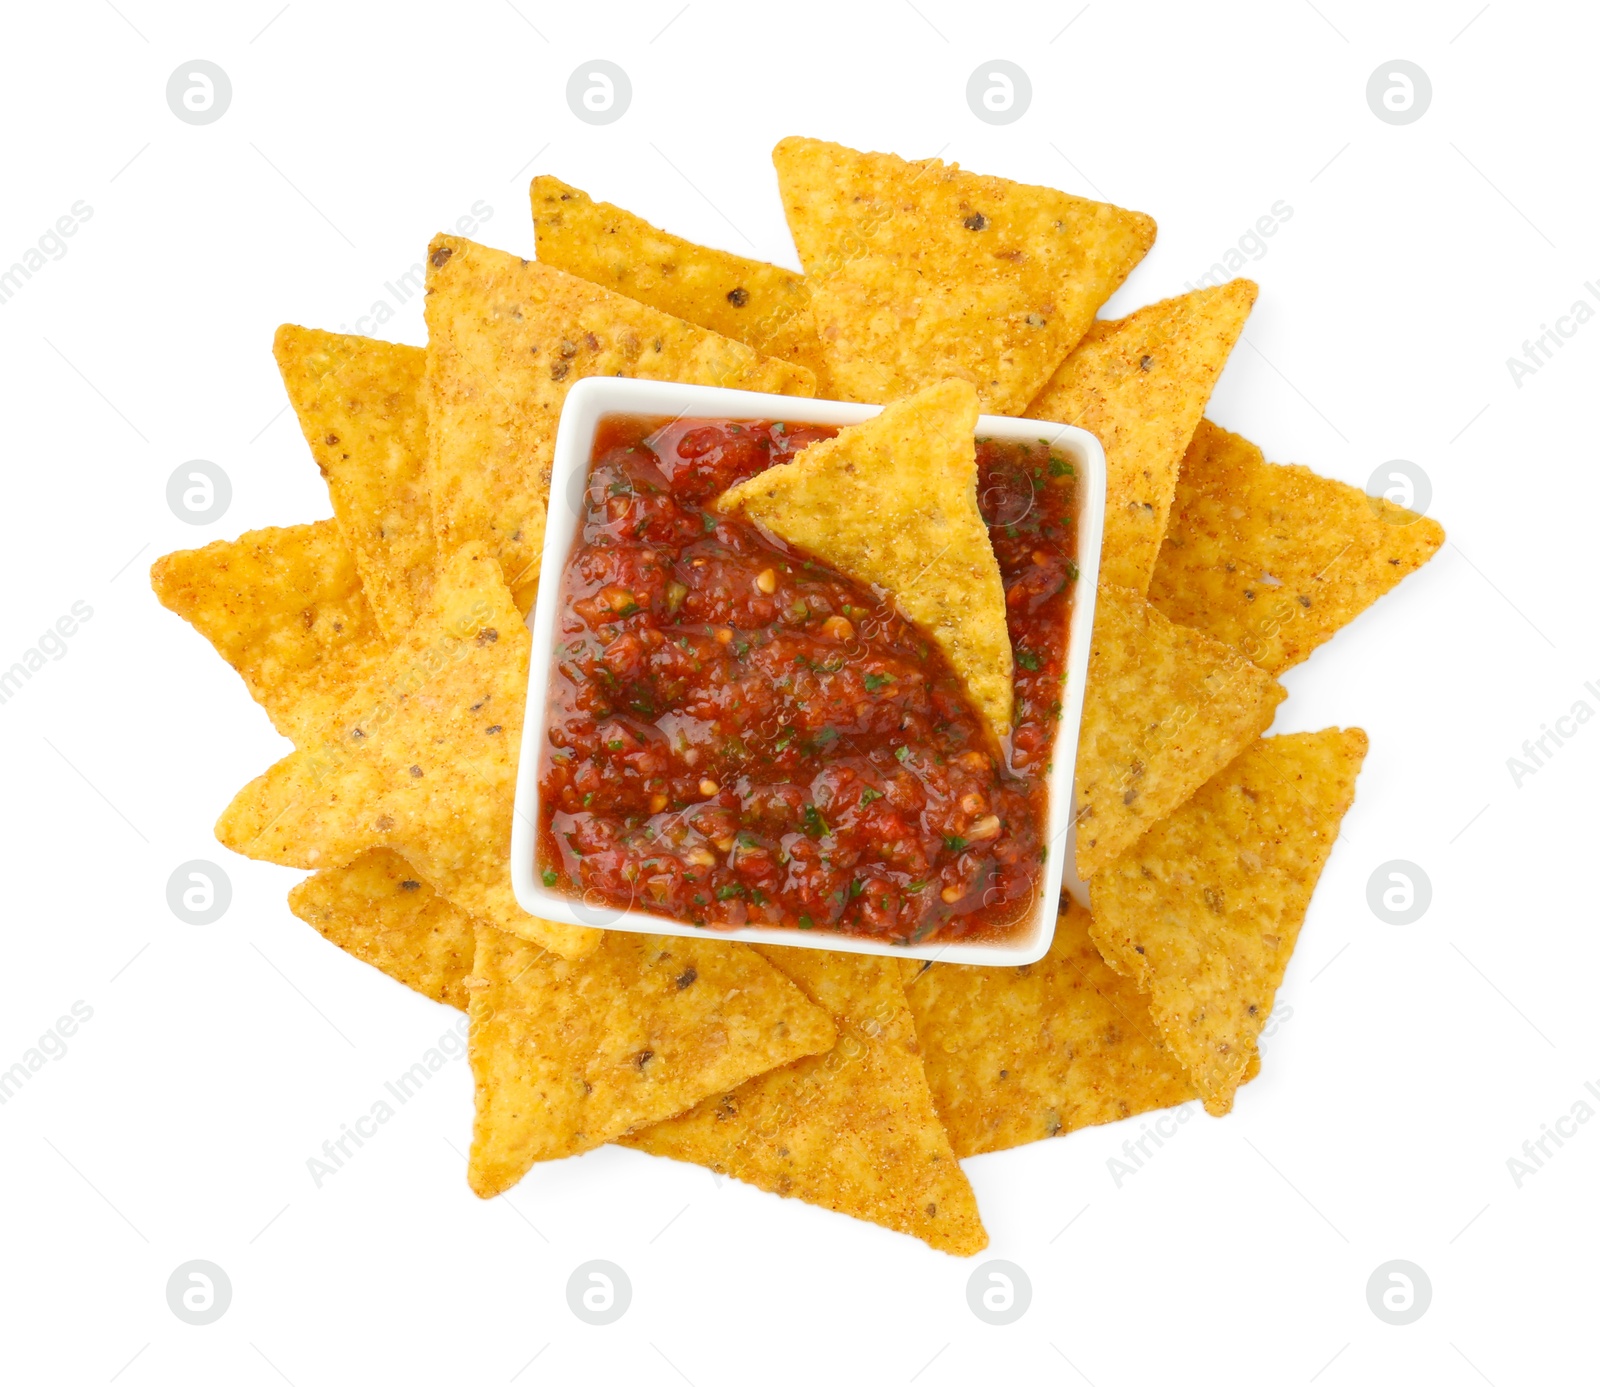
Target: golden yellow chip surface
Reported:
point(360, 408)
point(1140, 385)
point(1204, 912)
point(1015, 1055)
point(421, 757)
point(566, 1056)
point(283, 606)
point(920, 271)
point(764, 306)
point(377, 909)
point(1273, 559)
point(853, 1130)
point(1164, 710)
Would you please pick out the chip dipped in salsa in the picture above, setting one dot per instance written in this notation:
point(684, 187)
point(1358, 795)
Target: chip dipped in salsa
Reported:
point(739, 736)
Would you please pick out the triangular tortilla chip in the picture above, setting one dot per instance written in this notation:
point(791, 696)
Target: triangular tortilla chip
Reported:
point(377, 909)
point(853, 1130)
point(566, 1056)
point(1019, 1054)
point(421, 757)
point(764, 306)
point(285, 608)
point(360, 407)
point(507, 338)
point(920, 271)
point(1165, 708)
point(1274, 559)
point(893, 501)
point(1140, 384)
point(1204, 912)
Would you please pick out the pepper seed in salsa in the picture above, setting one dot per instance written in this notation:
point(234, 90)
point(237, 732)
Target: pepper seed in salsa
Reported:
point(740, 736)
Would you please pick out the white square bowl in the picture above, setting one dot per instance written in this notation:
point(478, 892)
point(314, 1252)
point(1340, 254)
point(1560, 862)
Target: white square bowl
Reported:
point(596, 398)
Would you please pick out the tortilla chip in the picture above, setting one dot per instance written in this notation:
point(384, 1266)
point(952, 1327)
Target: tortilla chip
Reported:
point(1273, 559)
point(1204, 913)
point(1019, 1054)
point(893, 501)
point(376, 909)
point(764, 306)
point(507, 338)
point(421, 757)
point(1140, 385)
point(566, 1056)
point(853, 1130)
point(920, 271)
point(1164, 710)
point(285, 608)
point(360, 407)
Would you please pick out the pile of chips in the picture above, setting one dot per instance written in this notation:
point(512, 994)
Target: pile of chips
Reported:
point(388, 644)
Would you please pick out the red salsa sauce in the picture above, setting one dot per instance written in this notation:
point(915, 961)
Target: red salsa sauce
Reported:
point(740, 736)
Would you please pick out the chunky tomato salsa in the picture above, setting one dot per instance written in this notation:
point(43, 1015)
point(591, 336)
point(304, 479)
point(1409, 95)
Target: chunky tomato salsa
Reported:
point(740, 736)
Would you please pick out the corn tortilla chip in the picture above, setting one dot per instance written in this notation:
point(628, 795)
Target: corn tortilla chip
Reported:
point(507, 338)
point(1274, 559)
point(1019, 1054)
point(1140, 385)
point(360, 408)
point(1165, 708)
point(1204, 912)
point(853, 1130)
point(378, 910)
point(567, 1055)
point(285, 608)
point(920, 271)
point(893, 501)
point(764, 306)
point(421, 757)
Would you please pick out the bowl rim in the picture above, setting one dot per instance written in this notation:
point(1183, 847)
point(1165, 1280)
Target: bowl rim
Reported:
point(596, 397)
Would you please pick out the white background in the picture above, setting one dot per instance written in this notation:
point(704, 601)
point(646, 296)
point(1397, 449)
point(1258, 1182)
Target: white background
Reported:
point(1407, 1064)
